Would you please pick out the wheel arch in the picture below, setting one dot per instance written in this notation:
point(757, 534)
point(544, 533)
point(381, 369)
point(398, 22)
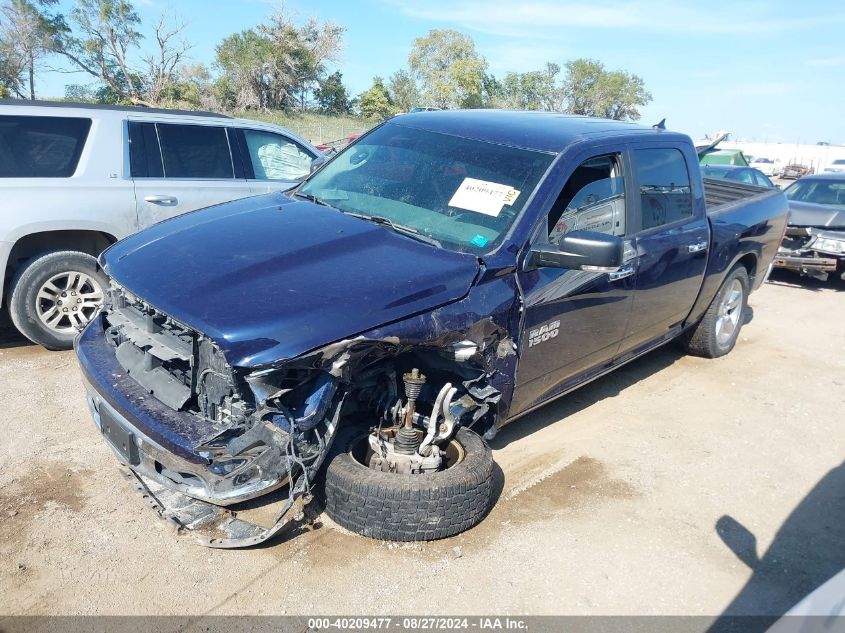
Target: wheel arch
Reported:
point(92, 242)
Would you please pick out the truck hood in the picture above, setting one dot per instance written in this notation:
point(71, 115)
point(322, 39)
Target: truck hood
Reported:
point(820, 215)
point(270, 278)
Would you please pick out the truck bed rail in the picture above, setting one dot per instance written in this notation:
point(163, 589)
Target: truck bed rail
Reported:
point(720, 192)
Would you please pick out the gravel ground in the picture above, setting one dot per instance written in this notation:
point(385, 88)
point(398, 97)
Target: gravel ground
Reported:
point(618, 499)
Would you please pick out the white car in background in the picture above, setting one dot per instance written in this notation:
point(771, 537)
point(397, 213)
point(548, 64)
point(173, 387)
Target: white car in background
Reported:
point(765, 165)
point(75, 178)
point(836, 166)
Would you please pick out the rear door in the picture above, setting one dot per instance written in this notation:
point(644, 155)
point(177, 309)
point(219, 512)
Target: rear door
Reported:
point(671, 244)
point(272, 161)
point(180, 167)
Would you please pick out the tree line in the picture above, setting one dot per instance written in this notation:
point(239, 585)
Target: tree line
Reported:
point(282, 64)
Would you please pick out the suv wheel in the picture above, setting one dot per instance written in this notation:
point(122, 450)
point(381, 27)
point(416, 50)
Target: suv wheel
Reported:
point(53, 296)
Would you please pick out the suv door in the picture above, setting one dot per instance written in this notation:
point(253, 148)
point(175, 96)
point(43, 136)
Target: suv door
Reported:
point(671, 245)
point(180, 167)
point(272, 161)
point(574, 319)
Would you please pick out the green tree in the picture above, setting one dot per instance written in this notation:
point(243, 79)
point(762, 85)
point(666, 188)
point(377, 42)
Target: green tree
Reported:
point(277, 65)
point(403, 90)
point(449, 69)
point(591, 90)
point(534, 90)
point(27, 35)
point(251, 74)
point(331, 95)
point(375, 103)
point(104, 41)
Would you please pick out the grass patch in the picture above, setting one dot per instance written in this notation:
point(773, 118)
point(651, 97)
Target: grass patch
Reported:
point(317, 128)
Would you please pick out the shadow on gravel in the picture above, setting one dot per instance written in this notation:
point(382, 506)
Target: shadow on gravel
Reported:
point(9, 335)
point(605, 387)
point(806, 552)
point(791, 279)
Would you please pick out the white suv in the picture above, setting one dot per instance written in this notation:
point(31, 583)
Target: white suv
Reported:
point(76, 178)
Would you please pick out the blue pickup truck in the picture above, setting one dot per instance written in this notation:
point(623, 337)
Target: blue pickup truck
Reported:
point(359, 337)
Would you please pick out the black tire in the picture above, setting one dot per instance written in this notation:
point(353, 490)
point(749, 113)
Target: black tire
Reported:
point(25, 305)
point(420, 507)
point(703, 339)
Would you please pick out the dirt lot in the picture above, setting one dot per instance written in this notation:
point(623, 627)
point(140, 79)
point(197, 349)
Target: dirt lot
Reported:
point(613, 499)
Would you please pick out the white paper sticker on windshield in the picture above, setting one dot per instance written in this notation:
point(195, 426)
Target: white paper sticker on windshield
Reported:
point(483, 197)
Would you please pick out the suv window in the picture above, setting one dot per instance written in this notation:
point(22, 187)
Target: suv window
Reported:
point(593, 199)
point(41, 146)
point(665, 193)
point(275, 157)
point(195, 151)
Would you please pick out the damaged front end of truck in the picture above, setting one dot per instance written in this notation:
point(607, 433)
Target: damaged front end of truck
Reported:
point(207, 440)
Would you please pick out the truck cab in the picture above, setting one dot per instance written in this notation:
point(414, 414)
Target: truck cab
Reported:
point(440, 278)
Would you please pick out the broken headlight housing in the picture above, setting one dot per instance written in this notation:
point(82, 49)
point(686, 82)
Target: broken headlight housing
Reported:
point(829, 243)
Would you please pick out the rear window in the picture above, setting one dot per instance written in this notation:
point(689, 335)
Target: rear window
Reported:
point(41, 146)
point(665, 193)
point(195, 151)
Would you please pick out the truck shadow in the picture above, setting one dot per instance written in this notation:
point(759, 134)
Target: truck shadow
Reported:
point(605, 387)
point(806, 552)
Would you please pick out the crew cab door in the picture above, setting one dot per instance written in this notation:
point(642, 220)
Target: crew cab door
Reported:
point(671, 243)
point(574, 319)
point(180, 167)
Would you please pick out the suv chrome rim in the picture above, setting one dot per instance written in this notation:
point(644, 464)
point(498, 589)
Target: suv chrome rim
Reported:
point(67, 301)
point(729, 313)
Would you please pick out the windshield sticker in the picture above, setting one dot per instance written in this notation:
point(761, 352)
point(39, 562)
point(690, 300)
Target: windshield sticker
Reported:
point(479, 240)
point(484, 197)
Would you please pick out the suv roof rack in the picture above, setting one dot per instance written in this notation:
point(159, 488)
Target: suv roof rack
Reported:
point(102, 106)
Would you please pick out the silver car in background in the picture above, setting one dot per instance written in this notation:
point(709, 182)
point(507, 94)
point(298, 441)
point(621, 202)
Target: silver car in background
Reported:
point(75, 178)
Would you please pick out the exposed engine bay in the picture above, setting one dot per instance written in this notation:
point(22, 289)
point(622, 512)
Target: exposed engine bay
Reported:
point(274, 427)
point(817, 252)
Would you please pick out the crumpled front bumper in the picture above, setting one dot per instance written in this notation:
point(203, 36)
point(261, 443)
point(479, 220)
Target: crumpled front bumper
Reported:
point(805, 262)
point(153, 439)
point(152, 442)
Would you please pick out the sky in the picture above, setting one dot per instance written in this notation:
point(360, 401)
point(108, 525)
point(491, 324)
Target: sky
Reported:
point(768, 70)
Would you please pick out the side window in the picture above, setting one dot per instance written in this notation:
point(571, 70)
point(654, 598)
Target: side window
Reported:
point(665, 193)
point(275, 157)
point(593, 199)
point(41, 146)
point(763, 180)
point(144, 152)
point(195, 151)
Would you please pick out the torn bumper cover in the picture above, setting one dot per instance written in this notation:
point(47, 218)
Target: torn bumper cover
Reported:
point(212, 525)
point(157, 441)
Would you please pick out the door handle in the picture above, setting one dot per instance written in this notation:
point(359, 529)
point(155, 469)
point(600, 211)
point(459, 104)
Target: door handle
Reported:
point(626, 271)
point(167, 201)
point(697, 247)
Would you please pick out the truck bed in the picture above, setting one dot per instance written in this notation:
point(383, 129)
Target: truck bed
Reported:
point(719, 192)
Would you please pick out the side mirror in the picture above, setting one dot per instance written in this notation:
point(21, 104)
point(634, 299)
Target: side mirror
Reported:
point(317, 162)
point(739, 540)
point(581, 250)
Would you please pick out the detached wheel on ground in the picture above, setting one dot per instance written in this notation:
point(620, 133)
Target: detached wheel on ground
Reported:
point(409, 507)
point(715, 335)
point(54, 295)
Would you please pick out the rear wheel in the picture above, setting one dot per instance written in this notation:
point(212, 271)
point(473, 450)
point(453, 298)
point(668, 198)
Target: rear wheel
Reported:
point(55, 295)
point(715, 335)
point(409, 507)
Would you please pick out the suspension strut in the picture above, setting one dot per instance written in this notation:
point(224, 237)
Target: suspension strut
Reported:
point(407, 439)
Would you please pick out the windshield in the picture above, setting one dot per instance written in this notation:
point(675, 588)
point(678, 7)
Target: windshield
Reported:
point(463, 193)
point(829, 192)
